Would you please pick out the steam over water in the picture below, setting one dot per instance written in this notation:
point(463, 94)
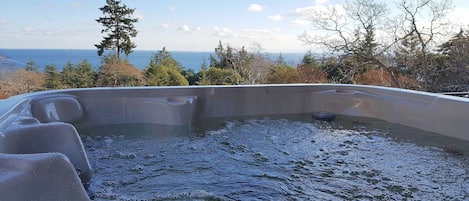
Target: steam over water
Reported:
point(273, 159)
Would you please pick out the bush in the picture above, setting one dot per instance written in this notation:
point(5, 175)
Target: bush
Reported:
point(19, 81)
point(219, 76)
point(80, 75)
point(382, 77)
point(283, 74)
point(308, 73)
point(119, 73)
point(165, 76)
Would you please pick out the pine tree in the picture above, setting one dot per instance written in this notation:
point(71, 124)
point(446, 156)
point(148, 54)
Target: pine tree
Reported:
point(68, 75)
point(164, 70)
point(309, 59)
point(31, 66)
point(52, 77)
point(119, 24)
point(85, 75)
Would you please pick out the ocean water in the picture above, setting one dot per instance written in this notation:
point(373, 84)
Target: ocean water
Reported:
point(138, 58)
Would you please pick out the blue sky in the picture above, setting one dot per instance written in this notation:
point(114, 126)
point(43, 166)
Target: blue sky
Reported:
point(174, 24)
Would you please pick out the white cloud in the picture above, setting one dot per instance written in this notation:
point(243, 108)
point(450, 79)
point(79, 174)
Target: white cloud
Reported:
point(303, 16)
point(29, 30)
point(172, 8)
point(276, 17)
point(3, 22)
point(303, 12)
point(300, 22)
point(164, 26)
point(306, 12)
point(255, 33)
point(224, 32)
point(187, 29)
point(255, 8)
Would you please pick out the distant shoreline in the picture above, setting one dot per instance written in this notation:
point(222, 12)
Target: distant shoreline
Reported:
point(189, 51)
point(139, 58)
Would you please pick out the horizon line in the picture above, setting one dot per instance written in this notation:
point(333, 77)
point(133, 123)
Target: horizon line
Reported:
point(276, 52)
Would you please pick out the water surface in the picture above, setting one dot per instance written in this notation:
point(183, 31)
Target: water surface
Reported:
point(274, 159)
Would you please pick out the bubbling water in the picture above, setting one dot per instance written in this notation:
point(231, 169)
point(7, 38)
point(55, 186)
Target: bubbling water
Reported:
point(274, 159)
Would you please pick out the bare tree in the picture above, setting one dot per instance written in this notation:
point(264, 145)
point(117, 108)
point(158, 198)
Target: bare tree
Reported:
point(19, 81)
point(425, 20)
point(253, 67)
point(350, 32)
point(259, 65)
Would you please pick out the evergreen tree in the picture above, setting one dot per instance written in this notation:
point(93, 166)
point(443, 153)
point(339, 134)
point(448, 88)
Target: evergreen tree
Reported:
point(68, 75)
point(81, 75)
point(85, 75)
point(190, 75)
point(52, 77)
point(203, 78)
point(452, 71)
point(31, 66)
point(223, 57)
point(164, 70)
point(164, 58)
point(308, 59)
point(119, 24)
point(219, 76)
point(281, 60)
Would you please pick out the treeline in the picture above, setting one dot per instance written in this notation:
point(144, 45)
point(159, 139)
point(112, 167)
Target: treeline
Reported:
point(227, 66)
point(231, 66)
point(365, 44)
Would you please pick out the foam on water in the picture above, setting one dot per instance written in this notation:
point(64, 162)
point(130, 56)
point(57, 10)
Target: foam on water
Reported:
point(274, 160)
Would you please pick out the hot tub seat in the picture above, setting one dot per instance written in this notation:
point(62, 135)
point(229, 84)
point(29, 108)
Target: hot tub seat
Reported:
point(41, 156)
point(30, 137)
point(41, 177)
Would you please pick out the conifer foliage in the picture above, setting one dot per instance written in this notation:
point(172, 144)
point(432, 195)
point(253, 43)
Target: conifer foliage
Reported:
point(118, 23)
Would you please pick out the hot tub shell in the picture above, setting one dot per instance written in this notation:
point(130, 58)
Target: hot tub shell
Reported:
point(42, 156)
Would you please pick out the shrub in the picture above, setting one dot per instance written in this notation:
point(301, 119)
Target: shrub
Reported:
point(283, 74)
point(119, 73)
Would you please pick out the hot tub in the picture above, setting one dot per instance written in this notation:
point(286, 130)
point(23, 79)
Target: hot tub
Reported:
point(43, 157)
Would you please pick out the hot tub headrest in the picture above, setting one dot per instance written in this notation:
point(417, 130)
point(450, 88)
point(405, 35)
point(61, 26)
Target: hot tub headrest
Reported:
point(57, 108)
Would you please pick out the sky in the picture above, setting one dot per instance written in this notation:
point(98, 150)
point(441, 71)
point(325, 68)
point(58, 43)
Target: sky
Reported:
point(178, 25)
